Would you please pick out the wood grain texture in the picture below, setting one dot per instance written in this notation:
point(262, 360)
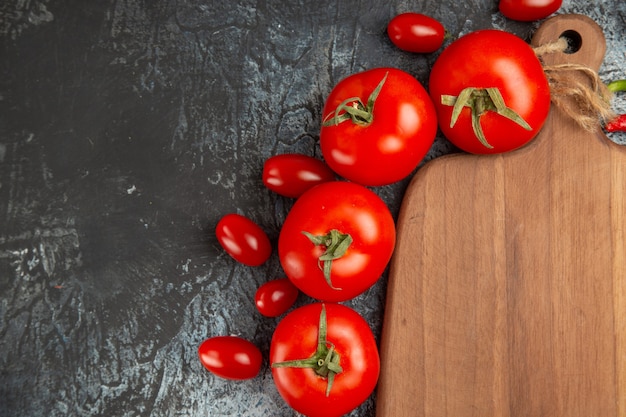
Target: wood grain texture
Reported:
point(507, 291)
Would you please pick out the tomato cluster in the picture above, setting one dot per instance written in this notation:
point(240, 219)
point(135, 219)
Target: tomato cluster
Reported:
point(487, 94)
point(335, 243)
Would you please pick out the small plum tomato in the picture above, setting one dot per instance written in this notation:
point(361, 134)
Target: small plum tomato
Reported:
point(529, 10)
point(290, 175)
point(275, 297)
point(416, 32)
point(231, 357)
point(243, 239)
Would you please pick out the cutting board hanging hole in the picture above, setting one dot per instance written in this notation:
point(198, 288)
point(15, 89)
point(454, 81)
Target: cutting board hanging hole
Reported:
point(574, 41)
point(571, 49)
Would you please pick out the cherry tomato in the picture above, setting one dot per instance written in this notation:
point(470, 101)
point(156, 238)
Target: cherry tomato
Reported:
point(230, 357)
point(275, 297)
point(341, 366)
point(243, 239)
point(529, 10)
point(336, 241)
point(416, 32)
point(290, 175)
point(490, 91)
point(378, 126)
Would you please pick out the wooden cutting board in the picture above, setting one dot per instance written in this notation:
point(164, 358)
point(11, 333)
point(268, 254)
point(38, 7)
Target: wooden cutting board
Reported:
point(507, 290)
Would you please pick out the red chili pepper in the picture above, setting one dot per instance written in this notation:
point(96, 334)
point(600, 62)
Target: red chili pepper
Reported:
point(619, 123)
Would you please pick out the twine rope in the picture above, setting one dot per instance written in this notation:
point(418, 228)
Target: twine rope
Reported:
point(585, 99)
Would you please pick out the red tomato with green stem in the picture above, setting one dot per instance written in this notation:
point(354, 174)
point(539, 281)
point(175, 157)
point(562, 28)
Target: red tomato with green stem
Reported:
point(529, 10)
point(290, 175)
point(336, 241)
point(378, 126)
point(416, 32)
point(490, 92)
point(231, 357)
point(324, 360)
point(275, 297)
point(243, 239)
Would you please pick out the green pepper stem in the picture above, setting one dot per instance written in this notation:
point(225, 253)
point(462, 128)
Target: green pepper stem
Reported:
point(616, 86)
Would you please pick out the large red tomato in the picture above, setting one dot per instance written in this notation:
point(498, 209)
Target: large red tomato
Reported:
point(324, 360)
point(336, 241)
point(490, 91)
point(378, 125)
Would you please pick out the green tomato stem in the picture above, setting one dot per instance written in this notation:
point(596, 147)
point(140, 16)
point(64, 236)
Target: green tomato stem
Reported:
point(353, 109)
point(336, 244)
point(325, 360)
point(480, 101)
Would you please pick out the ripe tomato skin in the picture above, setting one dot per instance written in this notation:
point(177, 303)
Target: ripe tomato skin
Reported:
point(243, 239)
point(290, 175)
point(529, 10)
point(275, 297)
point(491, 58)
point(416, 32)
point(389, 148)
point(230, 357)
point(352, 209)
point(295, 337)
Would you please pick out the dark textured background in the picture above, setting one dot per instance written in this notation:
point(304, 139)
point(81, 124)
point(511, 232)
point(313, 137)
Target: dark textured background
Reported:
point(127, 129)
